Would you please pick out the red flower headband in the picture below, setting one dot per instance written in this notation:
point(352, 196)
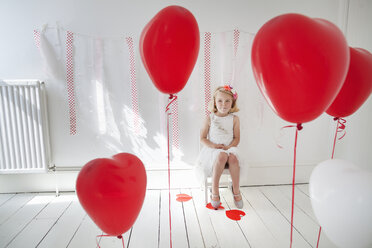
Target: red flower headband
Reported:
point(231, 89)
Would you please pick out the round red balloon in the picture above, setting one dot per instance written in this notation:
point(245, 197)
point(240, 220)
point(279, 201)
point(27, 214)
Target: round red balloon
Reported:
point(300, 65)
point(112, 191)
point(357, 86)
point(169, 47)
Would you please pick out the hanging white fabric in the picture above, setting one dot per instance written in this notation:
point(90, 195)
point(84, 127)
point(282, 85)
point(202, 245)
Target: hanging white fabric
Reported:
point(119, 110)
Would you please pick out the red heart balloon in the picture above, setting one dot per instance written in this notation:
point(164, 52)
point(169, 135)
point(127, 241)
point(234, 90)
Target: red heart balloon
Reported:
point(112, 191)
point(357, 86)
point(169, 47)
point(300, 65)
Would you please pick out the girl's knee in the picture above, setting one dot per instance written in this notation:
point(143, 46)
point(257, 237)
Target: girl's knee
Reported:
point(222, 158)
point(233, 160)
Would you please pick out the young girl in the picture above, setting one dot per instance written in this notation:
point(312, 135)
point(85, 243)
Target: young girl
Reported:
point(220, 136)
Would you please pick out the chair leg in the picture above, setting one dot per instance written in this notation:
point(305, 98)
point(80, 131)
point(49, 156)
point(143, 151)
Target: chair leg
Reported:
point(206, 190)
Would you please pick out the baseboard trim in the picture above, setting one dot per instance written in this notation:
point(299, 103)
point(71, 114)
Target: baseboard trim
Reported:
point(156, 179)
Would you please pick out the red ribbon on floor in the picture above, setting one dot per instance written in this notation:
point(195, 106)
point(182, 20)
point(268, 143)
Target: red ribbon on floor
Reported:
point(102, 235)
point(172, 98)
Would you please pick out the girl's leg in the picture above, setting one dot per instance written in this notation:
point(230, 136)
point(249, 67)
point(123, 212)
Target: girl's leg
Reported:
point(235, 175)
point(218, 168)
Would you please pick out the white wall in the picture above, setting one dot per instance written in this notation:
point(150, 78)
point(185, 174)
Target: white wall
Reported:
point(356, 146)
point(112, 18)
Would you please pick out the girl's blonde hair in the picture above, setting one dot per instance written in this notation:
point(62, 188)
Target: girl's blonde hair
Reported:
point(227, 89)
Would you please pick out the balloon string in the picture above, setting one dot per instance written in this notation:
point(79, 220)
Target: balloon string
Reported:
point(102, 235)
point(299, 127)
point(340, 128)
point(174, 98)
point(320, 230)
point(334, 140)
point(169, 194)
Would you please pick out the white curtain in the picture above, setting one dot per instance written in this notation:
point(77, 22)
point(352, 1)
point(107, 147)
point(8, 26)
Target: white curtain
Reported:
point(119, 110)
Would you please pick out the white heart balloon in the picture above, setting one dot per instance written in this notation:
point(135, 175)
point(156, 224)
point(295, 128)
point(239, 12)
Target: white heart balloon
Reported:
point(341, 196)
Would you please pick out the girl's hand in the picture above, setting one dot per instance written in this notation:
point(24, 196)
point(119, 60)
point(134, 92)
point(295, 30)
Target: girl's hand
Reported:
point(226, 147)
point(218, 146)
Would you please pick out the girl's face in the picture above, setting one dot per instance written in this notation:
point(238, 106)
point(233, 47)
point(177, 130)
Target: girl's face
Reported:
point(223, 103)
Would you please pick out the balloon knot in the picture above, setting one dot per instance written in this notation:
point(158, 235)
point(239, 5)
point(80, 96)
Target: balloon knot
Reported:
point(336, 118)
point(170, 96)
point(120, 237)
point(299, 126)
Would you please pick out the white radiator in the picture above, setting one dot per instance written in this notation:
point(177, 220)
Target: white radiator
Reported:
point(24, 136)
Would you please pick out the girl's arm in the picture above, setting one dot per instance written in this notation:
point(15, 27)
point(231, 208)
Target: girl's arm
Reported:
point(204, 134)
point(236, 132)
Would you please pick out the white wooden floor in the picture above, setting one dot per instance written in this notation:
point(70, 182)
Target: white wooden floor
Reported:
point(43, 220)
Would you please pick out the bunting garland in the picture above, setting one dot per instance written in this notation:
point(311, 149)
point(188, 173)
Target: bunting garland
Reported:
point(133, 85)
point(175, 125)
point(70, 82)
point(236, 41)
point(37, 38)
point(207, 70)
point(236, 36)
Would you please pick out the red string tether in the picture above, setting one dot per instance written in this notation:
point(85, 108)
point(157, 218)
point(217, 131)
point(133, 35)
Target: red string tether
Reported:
point(299, 127)
point(172, 98)
point(340, 128)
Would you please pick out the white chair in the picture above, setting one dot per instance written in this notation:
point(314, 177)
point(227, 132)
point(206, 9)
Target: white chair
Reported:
point(208, 181)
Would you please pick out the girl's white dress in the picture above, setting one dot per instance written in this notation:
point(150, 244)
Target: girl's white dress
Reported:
point(221, 131)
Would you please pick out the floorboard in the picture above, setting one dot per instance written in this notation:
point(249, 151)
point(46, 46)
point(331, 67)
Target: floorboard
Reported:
point(178, 228)
point(257, 234)
point(303, 224)
point(194, 234)
point(65, 228)
point(35, 231)
point(273, 219)
point(205, 221)
point(5, 197)
point(44, 220)
point(228, 231)
point(302, 201)
point(147, 222)
point(15, 224)
point(11, 206)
